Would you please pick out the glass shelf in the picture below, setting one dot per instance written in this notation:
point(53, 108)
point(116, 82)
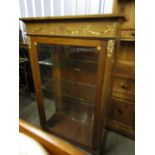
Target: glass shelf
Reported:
point(75, 64)
point(47, 62)
point(23, 60)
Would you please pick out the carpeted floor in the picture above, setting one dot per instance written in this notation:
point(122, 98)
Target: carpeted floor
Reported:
point(113, 144)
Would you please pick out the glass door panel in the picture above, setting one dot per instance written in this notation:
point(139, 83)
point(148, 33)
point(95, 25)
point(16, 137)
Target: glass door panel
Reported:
point(69, 81)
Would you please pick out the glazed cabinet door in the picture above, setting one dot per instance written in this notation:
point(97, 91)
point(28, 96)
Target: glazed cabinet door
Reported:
point(69, 78)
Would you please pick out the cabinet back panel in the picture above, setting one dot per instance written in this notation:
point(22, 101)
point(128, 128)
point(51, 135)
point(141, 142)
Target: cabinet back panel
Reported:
point(76, 109)
point(79, 90)
point(79, 76)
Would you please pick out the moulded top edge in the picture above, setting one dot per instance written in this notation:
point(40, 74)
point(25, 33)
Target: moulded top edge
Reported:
point(77, 17)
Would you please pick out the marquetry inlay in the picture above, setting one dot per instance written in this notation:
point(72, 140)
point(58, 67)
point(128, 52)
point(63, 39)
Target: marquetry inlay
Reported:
point(110, 48)
point(89, 29)
point(29, 42)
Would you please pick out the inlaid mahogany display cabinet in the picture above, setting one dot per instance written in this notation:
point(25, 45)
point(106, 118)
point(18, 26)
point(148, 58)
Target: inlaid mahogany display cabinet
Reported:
point(72, 60)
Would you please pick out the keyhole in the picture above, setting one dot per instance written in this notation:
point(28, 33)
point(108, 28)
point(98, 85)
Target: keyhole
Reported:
point(122, 9)
point(119, 111)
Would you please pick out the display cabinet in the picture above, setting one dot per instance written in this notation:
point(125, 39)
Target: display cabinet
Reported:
point(72, 60)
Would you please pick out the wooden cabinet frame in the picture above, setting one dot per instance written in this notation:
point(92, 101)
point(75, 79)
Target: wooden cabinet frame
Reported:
point(105, 40)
